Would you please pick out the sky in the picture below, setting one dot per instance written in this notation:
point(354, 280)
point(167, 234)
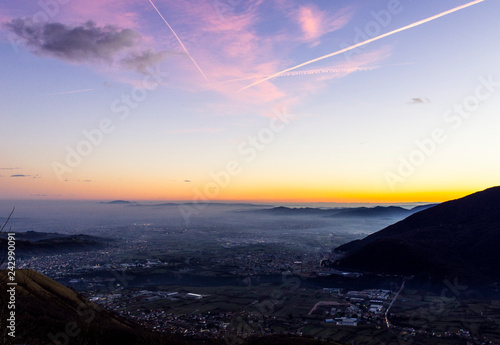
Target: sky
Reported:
point(306, 101)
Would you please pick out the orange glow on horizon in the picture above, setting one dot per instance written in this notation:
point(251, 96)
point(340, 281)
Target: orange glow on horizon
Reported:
point(291, 196)
point(136, 188)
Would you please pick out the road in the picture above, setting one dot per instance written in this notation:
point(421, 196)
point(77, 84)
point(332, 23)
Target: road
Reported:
point(390, 305)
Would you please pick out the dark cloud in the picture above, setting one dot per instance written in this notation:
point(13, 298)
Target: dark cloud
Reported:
point(20, 175)
point(418, 100)
point(140, 62)
point(80, 43)
point(85, 43)
point(87, 180)
point(187, 180)
point(9, 168)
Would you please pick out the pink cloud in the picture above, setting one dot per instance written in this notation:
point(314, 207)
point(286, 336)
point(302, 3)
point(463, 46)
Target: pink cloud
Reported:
point(233, 53)
point(226, 46)
point(120, 13)
point(314, 23)
point(110, 12)
point(231, 39)
point(310, 22)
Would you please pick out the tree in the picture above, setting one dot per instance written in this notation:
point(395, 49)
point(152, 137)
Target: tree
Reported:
point(4, 256)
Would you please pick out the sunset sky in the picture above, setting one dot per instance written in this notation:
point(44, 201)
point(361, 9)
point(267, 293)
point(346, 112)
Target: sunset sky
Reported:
point(99, 99)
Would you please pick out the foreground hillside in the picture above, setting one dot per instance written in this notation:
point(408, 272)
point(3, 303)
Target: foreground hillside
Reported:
point(458, 237)
point(50, 313)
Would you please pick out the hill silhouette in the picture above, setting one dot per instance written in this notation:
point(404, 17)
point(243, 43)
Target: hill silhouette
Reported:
point(117, 202)
point(458, 237)
point(347, 212)
point(44, 308)
point(50, 313)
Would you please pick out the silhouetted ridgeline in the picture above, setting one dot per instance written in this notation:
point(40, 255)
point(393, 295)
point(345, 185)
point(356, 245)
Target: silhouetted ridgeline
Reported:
point(458, 237)
point(377, 211)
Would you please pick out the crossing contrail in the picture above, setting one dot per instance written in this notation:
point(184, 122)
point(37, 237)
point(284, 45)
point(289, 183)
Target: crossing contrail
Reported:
point(238, 79)
point(312, 71)
point(354, 46)
point(179, 40)
point(303, 72)
point(66, 92)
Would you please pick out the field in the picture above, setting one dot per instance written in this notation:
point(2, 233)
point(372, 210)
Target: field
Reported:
point(448, 315)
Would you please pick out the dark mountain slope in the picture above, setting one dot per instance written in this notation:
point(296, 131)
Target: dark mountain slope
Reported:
point(49, 313)
point(44, 308)
point(456, 237)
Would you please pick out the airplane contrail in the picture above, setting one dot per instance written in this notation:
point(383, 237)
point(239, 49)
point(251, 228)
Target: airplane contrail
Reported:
point(311, 71)
point(354, 46)
point(328, 70)
point(66, 92)
point(303, 72)
point(238, 79)
point(337, 70)
point(179, 40)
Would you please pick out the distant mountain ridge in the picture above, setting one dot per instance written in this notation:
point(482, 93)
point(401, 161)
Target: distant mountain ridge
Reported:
point(118, 202)
point(458, 237)
point(198, 204)
point(377, 211)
